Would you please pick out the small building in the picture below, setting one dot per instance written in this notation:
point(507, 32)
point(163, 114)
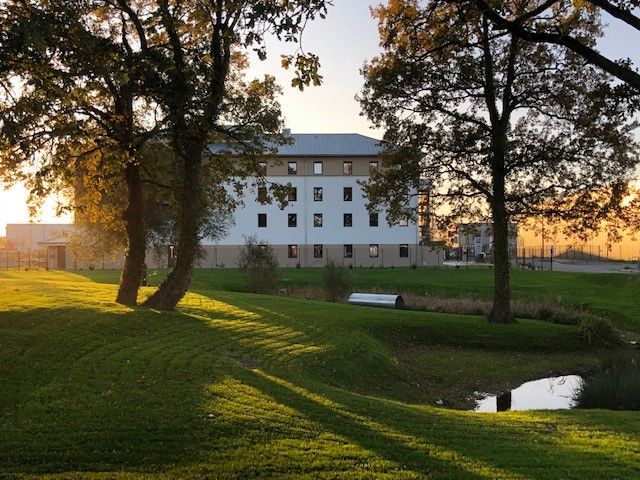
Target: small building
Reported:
point(39, 244)
point(475, 241)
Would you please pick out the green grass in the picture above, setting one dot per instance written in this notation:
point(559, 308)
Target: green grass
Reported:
point(235, 385)
point(615, 296)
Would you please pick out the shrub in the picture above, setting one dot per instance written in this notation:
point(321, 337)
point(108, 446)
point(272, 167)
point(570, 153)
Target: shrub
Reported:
point(260, 265)
point(598, 331)
point(337, 281)
point(615, 386)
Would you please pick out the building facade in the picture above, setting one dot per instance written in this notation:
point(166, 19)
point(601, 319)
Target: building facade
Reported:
point(326, 216)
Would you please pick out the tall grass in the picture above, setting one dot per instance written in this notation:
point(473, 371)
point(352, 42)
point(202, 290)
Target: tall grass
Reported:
point(616, 386)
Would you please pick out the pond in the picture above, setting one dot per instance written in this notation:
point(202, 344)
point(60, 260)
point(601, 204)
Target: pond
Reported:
point(550, 393)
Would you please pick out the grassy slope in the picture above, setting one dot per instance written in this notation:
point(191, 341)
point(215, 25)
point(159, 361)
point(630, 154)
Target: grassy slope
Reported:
point(613, 295)
point(238, 385)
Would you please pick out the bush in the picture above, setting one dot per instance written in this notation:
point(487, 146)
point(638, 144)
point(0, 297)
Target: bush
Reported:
point(599, 332)
point(616, 386)
point(260, 264)
point(337, 281)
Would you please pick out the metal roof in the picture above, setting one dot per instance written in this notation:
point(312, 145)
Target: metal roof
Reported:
point(325, 145)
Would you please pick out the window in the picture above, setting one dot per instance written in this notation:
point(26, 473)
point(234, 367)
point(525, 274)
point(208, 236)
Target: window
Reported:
point(373, 166)
point(317, 194)
point(348, 251)
point(403, 222)
point(347, 168)
point(262, 168)
point(317, 168)
point(262, 249)
point(292, 168)
point(292, 219)
point(262, 194)
point(347, 220)
point(373, 219)
point(293, 251)
point(404, 250)
point(347, 194)
point(262, 220)
point(373, 250)
point(293, 194)
point(317, 219)
point(317, 251)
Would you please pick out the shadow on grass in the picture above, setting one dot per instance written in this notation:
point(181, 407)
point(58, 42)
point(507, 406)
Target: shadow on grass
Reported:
point(143, 391)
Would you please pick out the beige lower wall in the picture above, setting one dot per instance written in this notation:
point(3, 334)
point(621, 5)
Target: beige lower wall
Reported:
point(388, 256)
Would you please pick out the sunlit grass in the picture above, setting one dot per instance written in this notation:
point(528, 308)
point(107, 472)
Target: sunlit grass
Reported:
point(234, 385)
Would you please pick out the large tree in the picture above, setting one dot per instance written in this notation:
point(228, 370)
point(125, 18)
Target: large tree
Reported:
point(114, 75)
point(495, 126)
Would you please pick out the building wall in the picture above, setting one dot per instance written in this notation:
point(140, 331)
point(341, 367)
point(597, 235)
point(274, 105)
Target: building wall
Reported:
point(26, 236)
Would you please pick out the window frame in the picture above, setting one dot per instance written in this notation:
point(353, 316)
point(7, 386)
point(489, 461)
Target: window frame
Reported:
point(263, 194)
point(374, 166)
point(347, 167)
point(344, 220)
point(375, 223)
point(318, 198)
point(349, 247)
point(261, 216)
point(374, 247)
point(292, 194)
point(293, 216)
point(294, 170)
point(316, 216)
point(321, 169)
point(290, 249)
point(317, 247)
point(401, 247)
point(344, 194)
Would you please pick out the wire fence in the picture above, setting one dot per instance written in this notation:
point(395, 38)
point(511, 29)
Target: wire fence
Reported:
point(545, 258)
point(18, 259)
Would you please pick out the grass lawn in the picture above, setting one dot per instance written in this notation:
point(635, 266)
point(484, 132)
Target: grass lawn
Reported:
point(613, 295)
point(234, 385)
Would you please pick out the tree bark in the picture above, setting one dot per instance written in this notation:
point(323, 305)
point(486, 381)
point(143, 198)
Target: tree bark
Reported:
point(501, 309)
point(171, 291)
point(136, 238)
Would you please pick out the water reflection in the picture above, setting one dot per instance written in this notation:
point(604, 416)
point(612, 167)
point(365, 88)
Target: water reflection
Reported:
point(545, 394)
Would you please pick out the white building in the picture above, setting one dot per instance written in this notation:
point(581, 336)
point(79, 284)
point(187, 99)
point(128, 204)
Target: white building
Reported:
point(326, 217)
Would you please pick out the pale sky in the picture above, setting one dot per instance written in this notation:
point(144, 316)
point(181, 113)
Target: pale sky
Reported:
point(343, 41)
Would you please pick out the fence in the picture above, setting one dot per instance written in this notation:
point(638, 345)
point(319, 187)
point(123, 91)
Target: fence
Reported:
point(17, 259)
point(539, 257)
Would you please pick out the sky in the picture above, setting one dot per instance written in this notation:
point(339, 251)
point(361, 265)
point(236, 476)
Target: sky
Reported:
point(343, 41)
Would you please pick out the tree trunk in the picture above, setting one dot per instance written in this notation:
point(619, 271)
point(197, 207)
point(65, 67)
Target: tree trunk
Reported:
point(177, 282)
point(501, 310)
point(136, 238)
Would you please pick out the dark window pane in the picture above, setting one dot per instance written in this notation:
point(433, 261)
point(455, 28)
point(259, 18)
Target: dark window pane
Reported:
point(347, 220)
point(404, 250)
point(293, 194)
point(348, 251)
point(293, 251)
point(373, 219)
point(317, 219)
point(292, 168)
point(292, 219)
point(262, 194)
point(262, 220)
point(317, 251)
point(373, 166)
point(317, 194)
point(347, 194)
